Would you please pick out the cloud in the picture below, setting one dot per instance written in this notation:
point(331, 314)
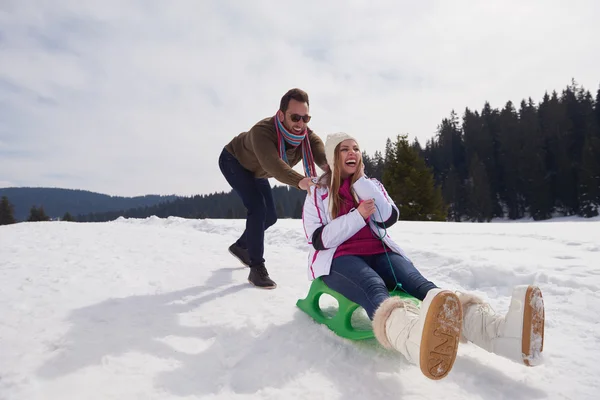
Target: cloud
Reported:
point(137, 97)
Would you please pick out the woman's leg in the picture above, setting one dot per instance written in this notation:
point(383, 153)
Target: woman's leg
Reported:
point(352, 277)
point(427, 336)
point(407, 275)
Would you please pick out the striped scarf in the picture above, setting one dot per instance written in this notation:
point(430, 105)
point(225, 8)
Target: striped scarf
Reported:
point(283, 135)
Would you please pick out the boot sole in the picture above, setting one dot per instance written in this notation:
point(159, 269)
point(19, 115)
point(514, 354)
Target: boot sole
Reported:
point(441, 334)
point(533, 325)
point(262, 287)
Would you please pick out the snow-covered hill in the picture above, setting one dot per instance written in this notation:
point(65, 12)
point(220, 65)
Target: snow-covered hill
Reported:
point(158, 309)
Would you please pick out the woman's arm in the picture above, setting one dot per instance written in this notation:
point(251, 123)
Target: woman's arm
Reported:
point(387, 212)
point(324, 236)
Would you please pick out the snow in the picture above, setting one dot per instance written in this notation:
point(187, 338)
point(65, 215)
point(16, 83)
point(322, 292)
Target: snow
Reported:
point(158, 309)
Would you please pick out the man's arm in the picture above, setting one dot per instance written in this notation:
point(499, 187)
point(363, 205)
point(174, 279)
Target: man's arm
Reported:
point(265, 150)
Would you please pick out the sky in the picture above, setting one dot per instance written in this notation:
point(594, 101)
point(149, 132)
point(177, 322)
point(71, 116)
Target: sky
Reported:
point(134, 97)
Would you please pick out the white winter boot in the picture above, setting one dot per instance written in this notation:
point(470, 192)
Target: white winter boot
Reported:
point(518, 335)
point(427, 337)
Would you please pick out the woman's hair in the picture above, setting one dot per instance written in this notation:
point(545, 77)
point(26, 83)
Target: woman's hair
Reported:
point(333, 180)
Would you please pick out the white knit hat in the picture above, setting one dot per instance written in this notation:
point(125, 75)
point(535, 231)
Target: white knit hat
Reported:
point(332, 141)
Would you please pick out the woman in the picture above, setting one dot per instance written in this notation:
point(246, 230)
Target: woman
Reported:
point(345, 219)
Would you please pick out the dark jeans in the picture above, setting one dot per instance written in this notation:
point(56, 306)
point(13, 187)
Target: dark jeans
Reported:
point(367, 280)
point(257, 197)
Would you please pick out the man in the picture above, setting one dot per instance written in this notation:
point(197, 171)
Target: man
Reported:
point(269, 150)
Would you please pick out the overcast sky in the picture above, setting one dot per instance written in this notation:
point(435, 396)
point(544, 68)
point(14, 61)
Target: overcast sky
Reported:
point(139, 97)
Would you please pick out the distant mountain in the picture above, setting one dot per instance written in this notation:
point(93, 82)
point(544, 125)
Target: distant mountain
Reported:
point(56, 202)
point(288, 204)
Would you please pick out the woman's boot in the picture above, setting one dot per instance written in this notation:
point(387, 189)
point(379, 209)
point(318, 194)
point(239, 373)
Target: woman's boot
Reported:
point(427, 336)
point(518, 335)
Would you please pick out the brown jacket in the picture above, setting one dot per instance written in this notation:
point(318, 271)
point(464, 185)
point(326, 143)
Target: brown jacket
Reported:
point(257, 151)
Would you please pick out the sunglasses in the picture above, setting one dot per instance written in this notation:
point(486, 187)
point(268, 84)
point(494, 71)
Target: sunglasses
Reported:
point(298, 117)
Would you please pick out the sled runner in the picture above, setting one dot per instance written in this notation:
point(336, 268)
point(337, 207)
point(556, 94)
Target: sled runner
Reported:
point(341, 323)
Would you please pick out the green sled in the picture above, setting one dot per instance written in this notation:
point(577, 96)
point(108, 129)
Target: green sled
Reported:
point(341, 323)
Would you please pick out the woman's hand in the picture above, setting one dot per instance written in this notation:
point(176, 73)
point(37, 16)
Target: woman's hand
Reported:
point(361, 172)
point(366, 208)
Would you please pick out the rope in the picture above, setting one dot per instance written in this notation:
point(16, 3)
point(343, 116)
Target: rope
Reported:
point(398, 284)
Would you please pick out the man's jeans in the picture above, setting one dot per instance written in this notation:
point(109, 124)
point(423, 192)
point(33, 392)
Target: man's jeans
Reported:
point(257, 197)
point(367, 280)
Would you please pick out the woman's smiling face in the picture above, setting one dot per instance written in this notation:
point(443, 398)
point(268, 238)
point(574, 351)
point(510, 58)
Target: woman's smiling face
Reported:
point(349, 157)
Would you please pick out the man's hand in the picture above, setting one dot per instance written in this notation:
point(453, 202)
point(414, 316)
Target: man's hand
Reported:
point(306, 183)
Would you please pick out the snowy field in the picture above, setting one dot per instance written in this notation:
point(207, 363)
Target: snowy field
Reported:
point(158, 309)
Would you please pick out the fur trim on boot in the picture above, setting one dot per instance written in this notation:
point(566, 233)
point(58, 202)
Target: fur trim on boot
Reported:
point(466, 300)
point(380, 317)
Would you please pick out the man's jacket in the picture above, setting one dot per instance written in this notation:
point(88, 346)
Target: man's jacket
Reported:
point(257, 151)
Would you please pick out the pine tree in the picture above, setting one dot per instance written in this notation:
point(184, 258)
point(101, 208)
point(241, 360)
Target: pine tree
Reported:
point(534, 181)
point(389, 154)
point(417, 146)
point(588, 187)
point(368, 163)
point(479, 142)
point(37, 214)
point(562, 142)
point(379, 164)
point(7, 212)
point(490, 118)
point(553, 124)
point(298, 209)
point(411, 185)
point(451, 145)
point(279, 210)
point(374, 166)
point(597, 112)
point(68, 217)
point(589, 178)
point(509, 157)
point(480, 194)
point(453, 196)
point(449, 156)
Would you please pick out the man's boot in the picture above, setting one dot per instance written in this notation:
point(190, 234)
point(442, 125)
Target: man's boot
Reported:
point(259, 277)
point(240, 253)
point(518, 335)
point(427, 336)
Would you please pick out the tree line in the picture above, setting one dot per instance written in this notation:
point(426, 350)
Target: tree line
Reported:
point(288, 204)
point(57, 201)
point(534, 160)
point(7, 213)
point(531, 160)
point(537, 160)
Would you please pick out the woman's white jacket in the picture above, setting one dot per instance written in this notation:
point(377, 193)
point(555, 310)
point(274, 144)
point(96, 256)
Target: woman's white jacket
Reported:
point(336, 231)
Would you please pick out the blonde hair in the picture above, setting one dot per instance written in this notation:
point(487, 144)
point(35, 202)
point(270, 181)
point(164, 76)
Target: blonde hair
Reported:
point(333, 181)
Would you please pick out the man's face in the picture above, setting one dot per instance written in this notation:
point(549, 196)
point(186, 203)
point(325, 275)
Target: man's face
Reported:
point(295, 110)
